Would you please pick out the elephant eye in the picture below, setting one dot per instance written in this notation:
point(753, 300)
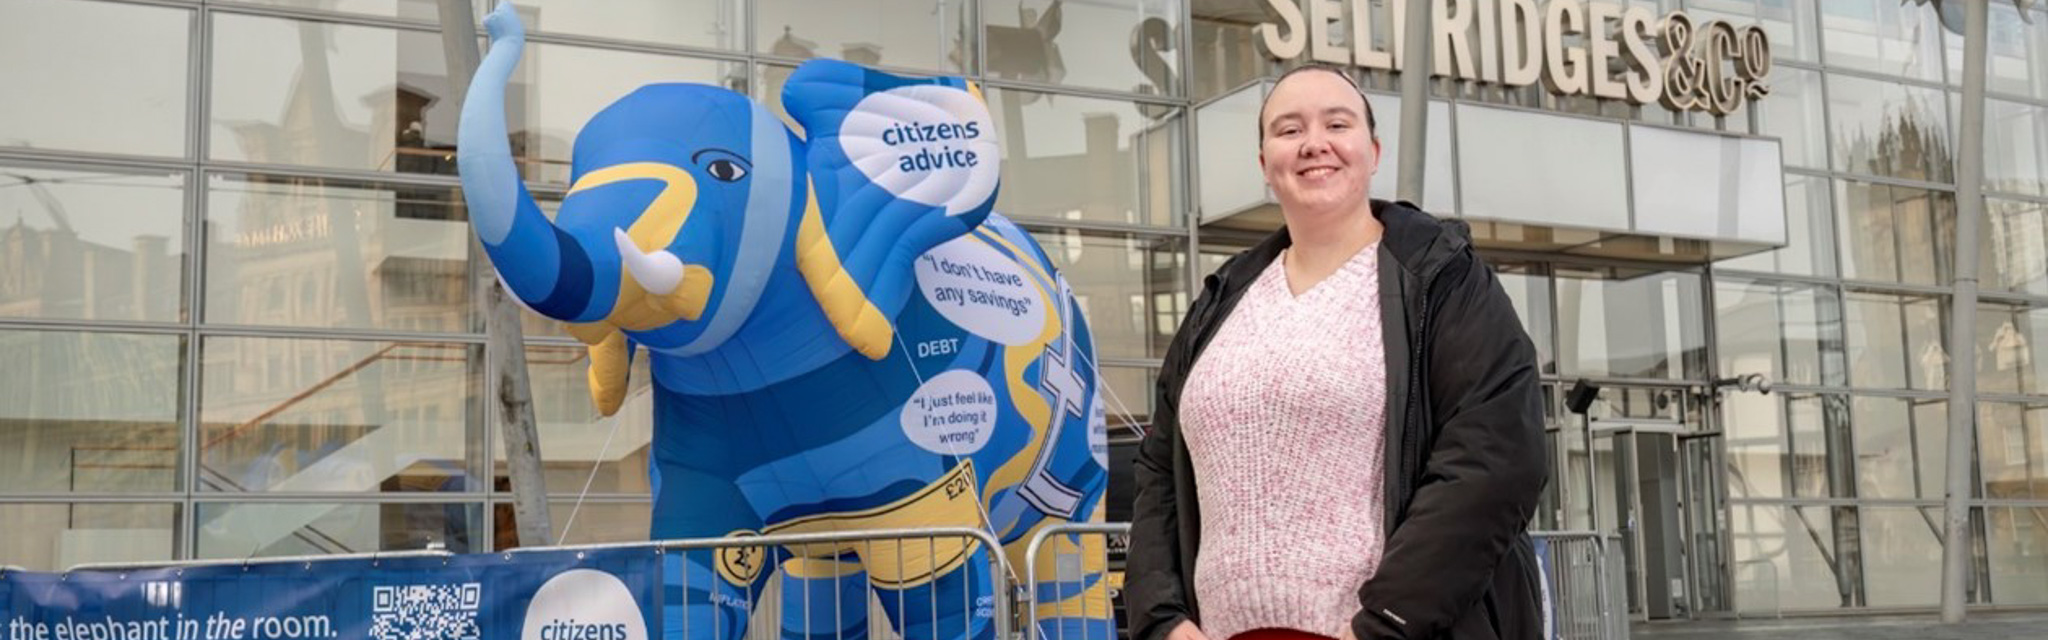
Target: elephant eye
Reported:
point(726, 170)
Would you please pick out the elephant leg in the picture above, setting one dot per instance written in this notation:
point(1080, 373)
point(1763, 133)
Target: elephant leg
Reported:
point(956, 604)
point(823, 599)
point(708, 594)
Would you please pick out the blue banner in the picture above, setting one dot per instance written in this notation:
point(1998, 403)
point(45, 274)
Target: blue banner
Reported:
point(611, 594)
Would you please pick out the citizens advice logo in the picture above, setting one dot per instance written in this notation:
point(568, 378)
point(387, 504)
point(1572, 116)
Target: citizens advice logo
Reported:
point(583, 604)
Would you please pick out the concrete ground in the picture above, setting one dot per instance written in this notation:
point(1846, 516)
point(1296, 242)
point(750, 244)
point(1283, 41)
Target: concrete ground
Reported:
point(1980, 626)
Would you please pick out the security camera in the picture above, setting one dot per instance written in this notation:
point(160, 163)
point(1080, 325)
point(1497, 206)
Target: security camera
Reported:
point(1753, 382)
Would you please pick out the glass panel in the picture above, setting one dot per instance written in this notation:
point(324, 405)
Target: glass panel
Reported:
point(1791, 25)
point(1122, 284)
point(330, 95)
point(92, 244)
point(1887, 452)
point(1072, 158)
point(1793, 113)
point(711, 24)
point(1562, 170)
point(1786, 332)
point(2019, 554)
point(916, 34)
point(1226, 54)
point(1809, 232)
point(1930, 444)
point(56, 537)
point(592, 523)
point(579, 448)
point(1529, 290)
point(102, 97)
point(1756, 445)
point(419, 10)
point(1881, 36)
point(2012, 453)
point(1901, 556)
point(2016, 157)
point(258, 530)
point(1785, 557)
point(1128, 403)
point(1888, 129)
point(2013, 56)
point(338, 416)
point(1625, 323)
point(1813, 420)
point(560, 87)
point(1895, 341)
point(1129, 45)
point(1439, 188)
point(1895, 234)
point(89, 412)
point(2006, 335)
point(2014, 245)
point(312, 252)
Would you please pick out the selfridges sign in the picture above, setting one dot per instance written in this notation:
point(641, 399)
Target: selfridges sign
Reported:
point(1574, 48)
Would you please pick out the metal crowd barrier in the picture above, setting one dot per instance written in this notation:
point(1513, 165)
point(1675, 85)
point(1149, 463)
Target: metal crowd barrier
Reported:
point(1070, 568)
point(1581, 583)
point(1582, 587)
point(881, 550)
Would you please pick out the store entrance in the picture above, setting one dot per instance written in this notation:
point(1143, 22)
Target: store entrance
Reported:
point(1657, 497)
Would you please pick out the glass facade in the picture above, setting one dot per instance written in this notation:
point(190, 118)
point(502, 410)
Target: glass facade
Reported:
point(236, 273)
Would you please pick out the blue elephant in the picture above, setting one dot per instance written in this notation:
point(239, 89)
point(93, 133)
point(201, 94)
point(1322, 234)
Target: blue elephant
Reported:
point(842, 336)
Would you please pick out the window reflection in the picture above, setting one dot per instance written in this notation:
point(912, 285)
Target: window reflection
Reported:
point(1087, 159)
point(1756, 445)
point(1895, 341)
point(1794, 114)
point(1791, 333)
point(1786, 557)
point(2018, 551)
point(89, 412)
point(2016, 51)
point(1901, 556)
point(1225, 55)
point(710, 24)
point(1630, 323)
point(593, 523)
point(2007, 338)
point(1809, 232)
point(1894, 234)
point(2016, 156)
point(298, 415)
point(1883, 36)
point(56, 537)
point(75, 82)
point(330, 95)
point(259, 530)
point(1121, 283)
point(92, 244)
point(328, 253)
point(2014, 245)
point(1889, 129)
point(1899, 448)
point(1123, 46)
point(578, 446)
point(2013, 455)
point(558, 88)
point(916, 34)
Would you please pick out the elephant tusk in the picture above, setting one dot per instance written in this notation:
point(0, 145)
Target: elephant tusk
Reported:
point(659, 273)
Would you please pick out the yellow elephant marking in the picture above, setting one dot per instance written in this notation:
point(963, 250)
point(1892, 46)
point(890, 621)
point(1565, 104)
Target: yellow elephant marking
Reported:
point(951, 501)
point(852, 314)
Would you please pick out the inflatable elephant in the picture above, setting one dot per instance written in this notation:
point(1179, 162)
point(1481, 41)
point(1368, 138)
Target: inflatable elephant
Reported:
point(842, 336)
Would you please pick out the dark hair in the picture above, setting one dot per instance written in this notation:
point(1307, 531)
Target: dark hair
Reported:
point(1372, 125)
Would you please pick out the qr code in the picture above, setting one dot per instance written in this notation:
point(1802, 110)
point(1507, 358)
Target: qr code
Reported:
point(425, 611)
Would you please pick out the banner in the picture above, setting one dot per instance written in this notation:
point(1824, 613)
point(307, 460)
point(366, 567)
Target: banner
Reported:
point(610, 594)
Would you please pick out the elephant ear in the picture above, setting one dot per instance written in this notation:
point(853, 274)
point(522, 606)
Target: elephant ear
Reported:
point(897, 165)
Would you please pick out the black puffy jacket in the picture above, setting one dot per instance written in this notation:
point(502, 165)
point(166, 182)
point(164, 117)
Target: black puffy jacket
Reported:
point(1465, 462)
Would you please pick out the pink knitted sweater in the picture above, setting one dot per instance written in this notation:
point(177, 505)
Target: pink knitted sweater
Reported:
point(1284, 415)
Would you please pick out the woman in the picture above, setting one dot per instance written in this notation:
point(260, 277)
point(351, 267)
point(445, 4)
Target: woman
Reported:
point(1347, 441)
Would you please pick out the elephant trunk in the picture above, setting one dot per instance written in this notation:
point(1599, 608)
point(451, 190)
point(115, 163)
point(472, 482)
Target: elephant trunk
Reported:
point(545, 267)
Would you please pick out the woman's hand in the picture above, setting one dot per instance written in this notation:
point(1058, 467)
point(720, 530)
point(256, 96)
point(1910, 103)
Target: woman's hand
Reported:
point(1186, 631)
